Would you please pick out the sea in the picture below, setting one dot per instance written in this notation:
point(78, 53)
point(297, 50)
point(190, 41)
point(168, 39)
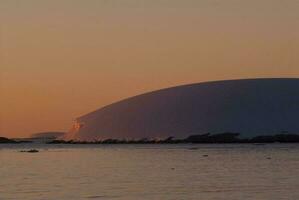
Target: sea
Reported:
point(150, 172)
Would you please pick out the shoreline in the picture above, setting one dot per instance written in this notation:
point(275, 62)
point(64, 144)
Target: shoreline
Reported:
point(222, 138)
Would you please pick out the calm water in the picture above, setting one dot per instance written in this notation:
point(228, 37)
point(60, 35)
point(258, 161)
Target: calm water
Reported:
point(153, 172)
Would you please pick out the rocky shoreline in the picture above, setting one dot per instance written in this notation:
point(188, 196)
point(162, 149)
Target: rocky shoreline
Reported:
point(221, 138)
point(208, 138)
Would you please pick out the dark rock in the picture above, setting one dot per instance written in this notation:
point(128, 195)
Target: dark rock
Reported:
point(30, 151)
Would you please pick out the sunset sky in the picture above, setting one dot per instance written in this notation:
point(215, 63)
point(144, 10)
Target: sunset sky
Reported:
point(60, 59)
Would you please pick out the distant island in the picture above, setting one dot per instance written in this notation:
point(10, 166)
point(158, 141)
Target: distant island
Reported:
point(4, 140)
point(47, 135)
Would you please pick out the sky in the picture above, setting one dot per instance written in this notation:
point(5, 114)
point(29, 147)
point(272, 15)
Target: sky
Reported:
point(60, 59)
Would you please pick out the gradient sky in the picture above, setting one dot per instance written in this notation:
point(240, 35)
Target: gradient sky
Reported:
point(60, 59)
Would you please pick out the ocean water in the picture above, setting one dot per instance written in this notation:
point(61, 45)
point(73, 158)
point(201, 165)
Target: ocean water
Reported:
point(150, 172)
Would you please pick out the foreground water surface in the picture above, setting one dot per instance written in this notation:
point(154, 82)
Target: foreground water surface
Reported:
point(150, 172)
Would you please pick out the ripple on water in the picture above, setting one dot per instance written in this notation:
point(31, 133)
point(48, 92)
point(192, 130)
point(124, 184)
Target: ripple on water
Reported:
point(149, 172)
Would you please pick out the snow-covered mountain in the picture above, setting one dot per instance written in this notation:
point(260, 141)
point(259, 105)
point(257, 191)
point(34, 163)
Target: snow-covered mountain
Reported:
point(250, 106)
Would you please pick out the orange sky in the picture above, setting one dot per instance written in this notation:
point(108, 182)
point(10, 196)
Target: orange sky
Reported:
point(60, 59)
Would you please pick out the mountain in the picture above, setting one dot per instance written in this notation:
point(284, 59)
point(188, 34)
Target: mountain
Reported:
point(250, 107)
